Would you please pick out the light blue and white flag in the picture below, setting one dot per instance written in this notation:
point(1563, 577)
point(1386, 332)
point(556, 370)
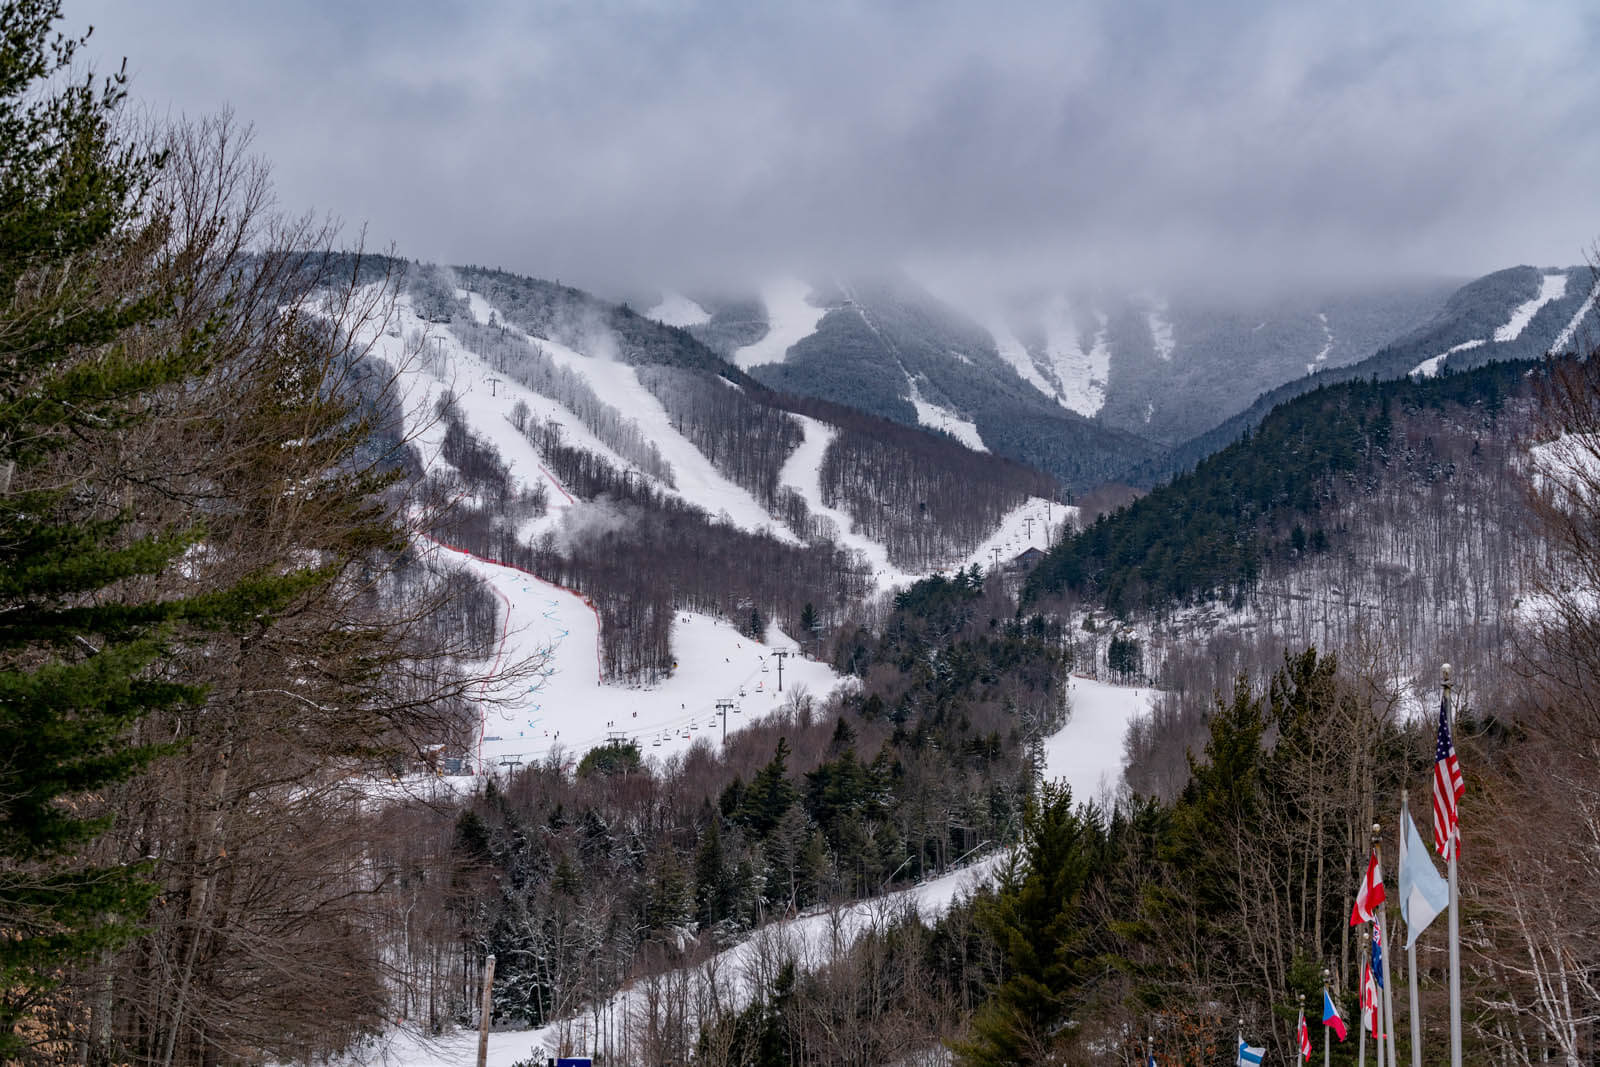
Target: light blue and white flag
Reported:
point(1249, 1056)
point(1423, 893)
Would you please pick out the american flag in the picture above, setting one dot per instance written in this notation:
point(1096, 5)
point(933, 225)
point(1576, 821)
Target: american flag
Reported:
point(1305, 1038)
point(1448, 787)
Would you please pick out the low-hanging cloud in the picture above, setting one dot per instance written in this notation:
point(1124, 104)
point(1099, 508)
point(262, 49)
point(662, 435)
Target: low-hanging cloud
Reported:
point(628, 144)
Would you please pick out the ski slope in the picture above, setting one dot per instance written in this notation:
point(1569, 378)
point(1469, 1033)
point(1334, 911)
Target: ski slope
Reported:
point(675, 309)
point(697, 479)
point(1086, 753)
point(790, 319)
point(1016, 354)
point(565, 708)
point(802, 472)
point(1161, 330)
point(944, 420)
point(1551, 287)
point(1327, 343)
point(1430, 367)
point(1570, 330)
point(1083, 373)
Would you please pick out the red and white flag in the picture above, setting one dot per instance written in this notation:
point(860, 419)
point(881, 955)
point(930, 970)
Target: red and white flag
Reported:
point(1305, 1037)
point(1370, 894)
point(1369, 1001)
point(1448, 788)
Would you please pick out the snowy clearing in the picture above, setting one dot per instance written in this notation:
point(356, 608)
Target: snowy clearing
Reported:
point(1327, 343)
point(698, 481)
point(675, 309)
point(1161, 329)
point(1015, 353)
point(802, 472)
point(790, 318)
point(567, 709)
point(1087, 753)
point(1551, 287)
point(1083, 374)
point(1570, 330)
point(1430, 367)
point(944, 420)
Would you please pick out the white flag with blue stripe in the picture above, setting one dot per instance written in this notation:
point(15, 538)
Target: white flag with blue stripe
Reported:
point(1249, 1055)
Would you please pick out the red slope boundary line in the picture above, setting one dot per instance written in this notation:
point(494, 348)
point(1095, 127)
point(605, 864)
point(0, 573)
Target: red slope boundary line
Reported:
point(599, 662)
point(559, 487)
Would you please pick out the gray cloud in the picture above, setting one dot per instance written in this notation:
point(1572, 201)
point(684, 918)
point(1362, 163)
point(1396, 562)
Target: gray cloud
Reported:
point(627, 143)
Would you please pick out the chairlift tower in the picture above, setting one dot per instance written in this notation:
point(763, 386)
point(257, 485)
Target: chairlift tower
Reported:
point(780, 653)
point(724, 706)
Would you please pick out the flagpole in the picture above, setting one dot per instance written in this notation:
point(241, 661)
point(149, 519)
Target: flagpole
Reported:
point(1411, 951)
point(1455, 907)
point(1327, 1044)
point(1361, 1019)
point(1301, 1054)
point(1387, 975)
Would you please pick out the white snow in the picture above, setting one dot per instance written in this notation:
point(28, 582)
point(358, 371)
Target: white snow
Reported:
point(790, 318)
point(1034, 524)
point(1087, 753)
point(1327, 343)
point(1161, 329)
point(698, 481)
point(566, 709)
point(1429, 367)
point(476, 305)
point(1083, 374)
point(1016, 354)
point(429, 360)
point(802, 472)
point(675, 309)
point(1571, 328)
point(937, 418)
point(1551, 287)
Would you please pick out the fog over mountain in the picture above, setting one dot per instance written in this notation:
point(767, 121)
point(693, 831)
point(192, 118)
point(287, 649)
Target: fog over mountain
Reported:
point(628, 143)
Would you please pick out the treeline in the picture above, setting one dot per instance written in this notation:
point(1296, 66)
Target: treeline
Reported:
point(697, 564)
point(528, 364)
point(586, 323)
point(745, 440)
point(579, 881)
point(928, 499)
point(925, 506)
point(1209, 534)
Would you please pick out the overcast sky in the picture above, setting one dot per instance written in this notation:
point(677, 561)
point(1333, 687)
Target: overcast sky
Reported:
point(617, 144)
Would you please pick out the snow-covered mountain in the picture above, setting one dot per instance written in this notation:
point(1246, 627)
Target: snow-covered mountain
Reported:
point(506, 385)
point(1093, 385)
point(1113, 375)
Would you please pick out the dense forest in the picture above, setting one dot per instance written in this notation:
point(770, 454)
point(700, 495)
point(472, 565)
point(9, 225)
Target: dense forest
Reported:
point(1280, 492)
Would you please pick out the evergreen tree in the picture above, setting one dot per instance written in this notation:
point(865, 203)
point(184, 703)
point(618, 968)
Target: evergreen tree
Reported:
point(1036, 918)
point(770, 793)
point(79, 648)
